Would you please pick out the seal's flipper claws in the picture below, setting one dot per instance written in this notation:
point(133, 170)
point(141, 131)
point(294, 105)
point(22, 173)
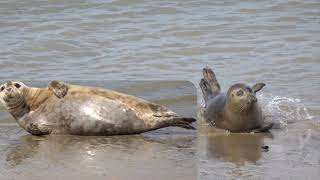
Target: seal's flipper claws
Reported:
point(208, 74)
point(59, 88)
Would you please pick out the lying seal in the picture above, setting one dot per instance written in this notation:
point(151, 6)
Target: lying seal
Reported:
point(78, 110)
point(237, 110)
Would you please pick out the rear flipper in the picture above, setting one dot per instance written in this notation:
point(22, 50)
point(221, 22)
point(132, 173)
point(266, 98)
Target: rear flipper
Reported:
point(183, 122)
point(264, 128)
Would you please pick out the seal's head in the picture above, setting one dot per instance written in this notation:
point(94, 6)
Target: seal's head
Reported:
point(241, 97)
point(12, 93)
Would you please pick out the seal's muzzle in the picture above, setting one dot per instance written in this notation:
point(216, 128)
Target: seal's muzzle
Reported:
point(252, 99)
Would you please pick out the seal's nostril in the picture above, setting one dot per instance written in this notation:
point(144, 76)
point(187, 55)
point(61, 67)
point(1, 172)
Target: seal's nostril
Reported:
point(9, 89)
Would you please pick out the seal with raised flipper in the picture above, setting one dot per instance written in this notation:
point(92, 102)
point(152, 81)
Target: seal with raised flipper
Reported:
point(79, 110)
point(236, 110)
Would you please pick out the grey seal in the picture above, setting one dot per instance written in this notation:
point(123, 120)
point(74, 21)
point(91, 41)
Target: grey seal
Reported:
point(237, 110)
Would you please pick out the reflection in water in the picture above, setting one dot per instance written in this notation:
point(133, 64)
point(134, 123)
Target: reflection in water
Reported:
point(56, 149)
point(226, 155)
point(292, 153)
point(117, 157)
point(235, 148)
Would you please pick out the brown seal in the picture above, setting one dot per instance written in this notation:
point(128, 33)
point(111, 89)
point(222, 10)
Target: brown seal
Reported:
point(237, 110)
point(70, 109)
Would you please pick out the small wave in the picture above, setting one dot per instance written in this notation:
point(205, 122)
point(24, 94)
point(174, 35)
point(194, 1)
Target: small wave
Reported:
point(283, 110)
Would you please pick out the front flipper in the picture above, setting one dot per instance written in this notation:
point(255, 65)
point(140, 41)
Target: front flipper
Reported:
point(59, 88)
point(264, 128)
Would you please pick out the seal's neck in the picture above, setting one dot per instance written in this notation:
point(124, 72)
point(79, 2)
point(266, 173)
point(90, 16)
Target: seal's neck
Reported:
point(37, 96)
point(33, 98)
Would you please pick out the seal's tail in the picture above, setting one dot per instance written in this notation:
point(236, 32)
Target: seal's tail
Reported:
point(183, 122)
point(209, 84)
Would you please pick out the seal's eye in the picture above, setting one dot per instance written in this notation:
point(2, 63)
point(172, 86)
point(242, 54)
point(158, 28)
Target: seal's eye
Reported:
point(17, 85)
point(240, 93)
point(2, 88)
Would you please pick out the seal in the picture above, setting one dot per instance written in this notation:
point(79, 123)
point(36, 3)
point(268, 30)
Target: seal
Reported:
point(63, 108)
point(237, 110)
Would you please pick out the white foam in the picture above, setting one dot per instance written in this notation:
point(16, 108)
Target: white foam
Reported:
point(283, 110)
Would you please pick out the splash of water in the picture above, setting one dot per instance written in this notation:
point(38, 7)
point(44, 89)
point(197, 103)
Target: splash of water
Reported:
point(283, 110)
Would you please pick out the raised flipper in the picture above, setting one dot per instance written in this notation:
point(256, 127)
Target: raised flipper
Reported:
point(264, 128)
point(209, 84)
point(210, 77)
point(59, 88)
point(206, 91)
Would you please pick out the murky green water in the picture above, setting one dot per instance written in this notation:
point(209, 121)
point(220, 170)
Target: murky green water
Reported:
point(276, 42)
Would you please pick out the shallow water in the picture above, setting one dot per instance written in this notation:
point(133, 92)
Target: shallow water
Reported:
point(276, 42)
point(292, 153)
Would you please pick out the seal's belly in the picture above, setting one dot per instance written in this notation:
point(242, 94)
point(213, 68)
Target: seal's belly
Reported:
point(95, 115)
